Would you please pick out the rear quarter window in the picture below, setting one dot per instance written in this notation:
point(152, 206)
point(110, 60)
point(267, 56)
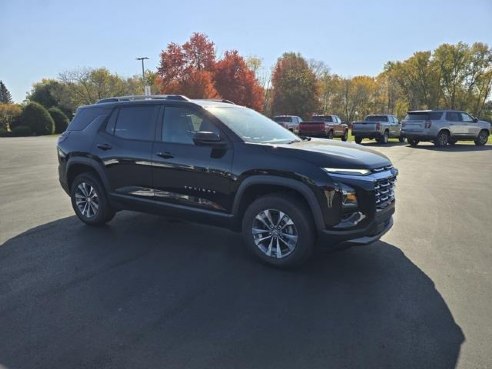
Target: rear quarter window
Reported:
point(85, 116)
point(433, 115)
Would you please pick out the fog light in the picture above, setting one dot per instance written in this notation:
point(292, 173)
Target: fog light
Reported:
point(349, 199)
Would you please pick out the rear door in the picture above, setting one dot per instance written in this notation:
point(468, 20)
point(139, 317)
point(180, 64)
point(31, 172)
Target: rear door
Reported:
point(185, 173)
point(124, 146)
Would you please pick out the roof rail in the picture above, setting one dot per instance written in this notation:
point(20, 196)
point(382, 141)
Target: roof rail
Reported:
point(143, 97)
point(219, 100)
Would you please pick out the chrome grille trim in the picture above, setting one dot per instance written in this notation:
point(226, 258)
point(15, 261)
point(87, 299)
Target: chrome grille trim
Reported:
point(384, 192)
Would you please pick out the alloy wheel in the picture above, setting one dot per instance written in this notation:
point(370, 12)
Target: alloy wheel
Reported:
point(87, 200)
point(274, 233)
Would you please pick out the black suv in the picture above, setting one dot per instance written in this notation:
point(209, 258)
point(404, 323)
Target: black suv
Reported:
point(227, 165)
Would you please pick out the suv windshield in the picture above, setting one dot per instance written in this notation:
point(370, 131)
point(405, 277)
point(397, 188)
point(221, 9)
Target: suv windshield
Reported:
point(431, 115)
point(251, 126)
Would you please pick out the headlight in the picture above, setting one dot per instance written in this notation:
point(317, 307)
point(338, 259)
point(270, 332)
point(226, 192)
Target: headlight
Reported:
point(351, 172)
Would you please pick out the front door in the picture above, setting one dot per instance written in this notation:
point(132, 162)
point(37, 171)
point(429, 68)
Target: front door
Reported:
point(185, 173)
point(472, 128)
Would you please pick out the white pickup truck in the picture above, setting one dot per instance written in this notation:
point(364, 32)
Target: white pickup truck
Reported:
point(381, 127)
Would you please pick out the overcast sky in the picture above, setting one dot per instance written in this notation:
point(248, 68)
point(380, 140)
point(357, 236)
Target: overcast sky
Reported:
point(43, 38)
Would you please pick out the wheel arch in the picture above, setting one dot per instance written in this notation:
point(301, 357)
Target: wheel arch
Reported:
point(254, 187)
point(77, 166)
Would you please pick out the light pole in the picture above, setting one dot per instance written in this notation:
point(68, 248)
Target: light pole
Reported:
point(143, 72)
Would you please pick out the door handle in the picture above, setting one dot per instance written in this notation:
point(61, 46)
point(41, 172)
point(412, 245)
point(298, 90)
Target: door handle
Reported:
point(104, 146)
point(165, 155)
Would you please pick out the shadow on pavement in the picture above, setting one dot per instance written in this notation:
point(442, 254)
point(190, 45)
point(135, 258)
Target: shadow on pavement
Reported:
point(144, 292)
point(452, 148)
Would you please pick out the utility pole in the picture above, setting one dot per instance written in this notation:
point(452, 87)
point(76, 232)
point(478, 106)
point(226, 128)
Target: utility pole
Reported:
point(146, 88)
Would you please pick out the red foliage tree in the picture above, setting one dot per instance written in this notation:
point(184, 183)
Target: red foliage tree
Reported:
point(236, 82)
point(188, 69)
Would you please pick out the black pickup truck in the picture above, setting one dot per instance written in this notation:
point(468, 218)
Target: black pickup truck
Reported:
point(227, 165)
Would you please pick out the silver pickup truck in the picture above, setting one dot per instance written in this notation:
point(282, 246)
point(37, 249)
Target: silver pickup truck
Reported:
point(444, 127)
point(381, 127)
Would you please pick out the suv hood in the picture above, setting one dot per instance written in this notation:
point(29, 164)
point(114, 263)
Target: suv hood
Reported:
point(336, 154)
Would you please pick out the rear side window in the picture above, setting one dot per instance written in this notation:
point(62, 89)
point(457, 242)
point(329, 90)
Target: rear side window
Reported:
point(283, 119)
point(376, 118)
point(433, 115)
point(86, 116)
point(135, 122)
point(324, 118)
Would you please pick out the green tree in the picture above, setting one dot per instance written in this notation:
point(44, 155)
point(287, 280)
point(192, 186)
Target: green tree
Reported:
point(294, 86)
point(5, 96)
point(47, 93)
point(36, 117)
point(86, 86)
point(60, 119)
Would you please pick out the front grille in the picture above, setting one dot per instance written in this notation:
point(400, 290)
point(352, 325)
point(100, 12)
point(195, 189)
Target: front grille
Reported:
point(384, 192)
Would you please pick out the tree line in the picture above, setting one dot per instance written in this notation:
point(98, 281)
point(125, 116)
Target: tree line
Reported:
point(455, 76)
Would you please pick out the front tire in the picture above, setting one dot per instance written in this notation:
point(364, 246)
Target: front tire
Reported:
point(279, 230)
point(482, 138)
point(442, 139)
point(413, 142)
point(89, 200)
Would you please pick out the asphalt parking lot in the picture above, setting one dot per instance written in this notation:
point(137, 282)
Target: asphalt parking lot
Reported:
point(146, 292)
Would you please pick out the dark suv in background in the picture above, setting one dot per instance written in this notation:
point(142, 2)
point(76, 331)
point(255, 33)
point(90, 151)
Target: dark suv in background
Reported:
point(226, 165)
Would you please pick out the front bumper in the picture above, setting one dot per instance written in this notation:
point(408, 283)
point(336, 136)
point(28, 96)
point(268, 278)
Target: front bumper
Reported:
point(382, 223)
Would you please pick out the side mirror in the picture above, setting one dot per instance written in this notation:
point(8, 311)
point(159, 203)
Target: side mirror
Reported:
point(204, 138)
point(475, 120)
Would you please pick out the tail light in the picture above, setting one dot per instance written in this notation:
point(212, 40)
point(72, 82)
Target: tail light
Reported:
point(378, 126)
point(428, 123)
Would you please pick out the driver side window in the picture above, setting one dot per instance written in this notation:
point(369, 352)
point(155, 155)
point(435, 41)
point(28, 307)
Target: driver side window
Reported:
point(466, 118)
point(181, 123)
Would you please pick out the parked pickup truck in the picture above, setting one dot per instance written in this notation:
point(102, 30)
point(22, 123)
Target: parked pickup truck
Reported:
point(291, 122)
point(380, 127)
point(328, 126)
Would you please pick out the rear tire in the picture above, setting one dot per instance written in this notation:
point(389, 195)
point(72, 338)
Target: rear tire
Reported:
point(358, 140)
point(279, 230)
point(345, 136)
point(482, 138)
point(401, 139)
point(89, 200)
point(452, 141)
point(442, 139)
point(413, 142)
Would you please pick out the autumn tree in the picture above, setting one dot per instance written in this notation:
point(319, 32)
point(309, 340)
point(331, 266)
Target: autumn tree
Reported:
point(5, 96)
point(294, 86)
point(188, 69)
point(236, 82)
